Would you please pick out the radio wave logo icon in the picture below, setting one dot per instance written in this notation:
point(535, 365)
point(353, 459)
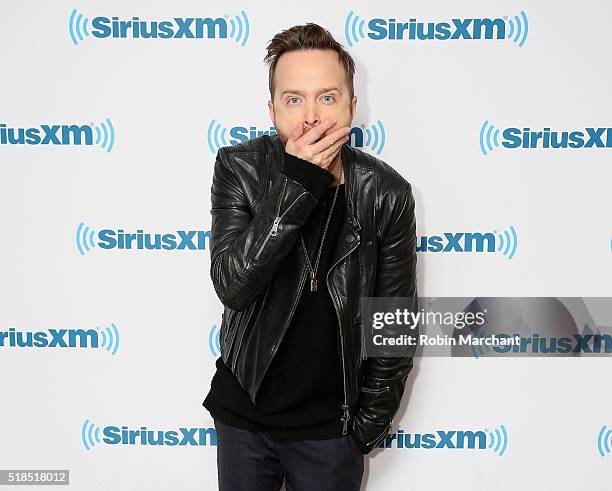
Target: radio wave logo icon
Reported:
point(213, 341)
point(216, 136)
point(105, 135)
point(518, 28)
point(353, 29)
point(77, 27)
point(489, 137)
point(375, 137)
point(239, 28)
point(498, 440)
point(84, 238)
point(110, 338)
point(604, 441)
point(90, 434)
point(507, 242)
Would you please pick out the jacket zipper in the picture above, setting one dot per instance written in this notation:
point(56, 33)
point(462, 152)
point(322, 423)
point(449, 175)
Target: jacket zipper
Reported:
point(278, 205)
point(345, 406)
point(364, 355)
point(273, 230)
point(291, 312)
point(277, 218)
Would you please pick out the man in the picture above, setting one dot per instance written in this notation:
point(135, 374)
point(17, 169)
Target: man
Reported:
point(303, 227)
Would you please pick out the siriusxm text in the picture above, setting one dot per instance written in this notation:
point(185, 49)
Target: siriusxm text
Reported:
point(548, 138)
point(51, 338)
point(114, 435)
point(457, 242)
point(178, 27)
point(182, 239)
point(47, 134)
point(441, 31)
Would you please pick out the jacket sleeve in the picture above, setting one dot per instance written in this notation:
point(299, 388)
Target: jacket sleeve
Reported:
point(247, 248)
point(384, 378)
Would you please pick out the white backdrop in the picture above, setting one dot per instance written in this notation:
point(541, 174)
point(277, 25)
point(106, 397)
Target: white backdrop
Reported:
point(149, 110)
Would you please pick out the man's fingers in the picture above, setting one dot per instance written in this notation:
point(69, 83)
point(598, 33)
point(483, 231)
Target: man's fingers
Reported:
point(329, 140)
point(315, 133)
point(303, 142)
point(331, 151)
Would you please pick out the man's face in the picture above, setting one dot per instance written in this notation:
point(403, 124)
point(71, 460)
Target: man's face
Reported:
point(310, 87)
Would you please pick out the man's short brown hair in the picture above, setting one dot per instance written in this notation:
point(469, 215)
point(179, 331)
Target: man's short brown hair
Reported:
point(308, 36)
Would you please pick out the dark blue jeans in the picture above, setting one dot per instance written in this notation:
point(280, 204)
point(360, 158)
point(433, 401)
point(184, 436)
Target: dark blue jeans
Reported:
point(251, 460)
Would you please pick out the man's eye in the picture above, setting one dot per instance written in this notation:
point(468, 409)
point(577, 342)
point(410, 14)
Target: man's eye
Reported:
point(330, 96)
point(291, 98)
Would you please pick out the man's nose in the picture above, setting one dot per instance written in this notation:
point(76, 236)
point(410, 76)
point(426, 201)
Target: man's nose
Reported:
point(311, 118)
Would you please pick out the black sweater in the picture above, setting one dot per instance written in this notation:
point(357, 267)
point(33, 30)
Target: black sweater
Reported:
point(301, 394)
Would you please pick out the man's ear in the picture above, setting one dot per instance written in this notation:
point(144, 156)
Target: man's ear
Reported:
point(271, 109)
point(353, 106)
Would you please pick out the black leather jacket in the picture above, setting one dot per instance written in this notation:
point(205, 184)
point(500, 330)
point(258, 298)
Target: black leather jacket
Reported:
point(257, 212)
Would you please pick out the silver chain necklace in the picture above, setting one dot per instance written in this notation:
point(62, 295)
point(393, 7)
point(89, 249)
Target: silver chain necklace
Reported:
point(313, 271)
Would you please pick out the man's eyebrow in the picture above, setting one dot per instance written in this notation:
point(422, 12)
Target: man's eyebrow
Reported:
point(320, 91)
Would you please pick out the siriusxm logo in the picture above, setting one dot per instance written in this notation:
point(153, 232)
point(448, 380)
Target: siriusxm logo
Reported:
point(105, 338)
point(237, 27)
point(102, 135)
point(373, 137)
point(490, 138)
point(122, 435)
point(119, 239)
point(504, 243)
point(514, 29)
point(604, 441)
point(495, 440)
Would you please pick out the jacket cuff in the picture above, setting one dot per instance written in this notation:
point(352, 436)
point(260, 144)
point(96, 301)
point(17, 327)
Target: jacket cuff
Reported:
point(364, 449)
point(313, 178)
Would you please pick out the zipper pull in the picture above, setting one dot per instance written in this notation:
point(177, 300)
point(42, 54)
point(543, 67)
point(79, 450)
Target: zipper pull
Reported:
point(345, 418)
point(275, 226)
